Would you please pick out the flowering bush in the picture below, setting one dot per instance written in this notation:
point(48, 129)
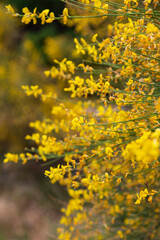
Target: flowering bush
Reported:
point(109, 128)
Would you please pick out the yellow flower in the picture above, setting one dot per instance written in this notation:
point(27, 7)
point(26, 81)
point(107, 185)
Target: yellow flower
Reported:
point(32, 90)
point(94, 38)
point(120, 233)
point(76, 123)
point(65, 15)
point(43, 15)
point(109, 151)
point(51, 18)
point(79, 47)
point(142, 195)
point(9, 157)
point(158, 105)
point(10, 9)
point(119, 180)
point(138, 201)
point(27, 16)
point(97, 3)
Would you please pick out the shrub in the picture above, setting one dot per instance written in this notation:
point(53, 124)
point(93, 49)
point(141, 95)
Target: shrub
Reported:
point(109, 127)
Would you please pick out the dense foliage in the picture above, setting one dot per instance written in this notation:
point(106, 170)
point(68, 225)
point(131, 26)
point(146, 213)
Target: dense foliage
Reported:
point(104, 137)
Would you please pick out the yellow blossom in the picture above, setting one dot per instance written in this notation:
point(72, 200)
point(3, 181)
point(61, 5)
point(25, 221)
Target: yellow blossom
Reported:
point(65, 15)
point(51, 18)
point(94, 38)
point(43, 15)
point(10, 9)
point(158, 105)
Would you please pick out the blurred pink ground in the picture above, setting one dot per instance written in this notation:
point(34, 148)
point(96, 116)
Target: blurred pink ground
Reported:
point(25, 211)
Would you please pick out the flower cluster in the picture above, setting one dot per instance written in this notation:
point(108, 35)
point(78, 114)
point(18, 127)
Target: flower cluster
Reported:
point(109, 129)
